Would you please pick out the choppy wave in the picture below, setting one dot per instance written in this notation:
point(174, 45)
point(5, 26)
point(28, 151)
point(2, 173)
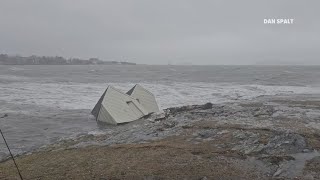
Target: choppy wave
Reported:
point(84, 96)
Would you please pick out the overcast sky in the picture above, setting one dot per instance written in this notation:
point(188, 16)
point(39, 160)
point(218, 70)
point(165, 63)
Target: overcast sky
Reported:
point(163, 31)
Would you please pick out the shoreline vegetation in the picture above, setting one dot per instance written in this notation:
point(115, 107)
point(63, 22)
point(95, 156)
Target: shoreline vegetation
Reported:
point(55, 60)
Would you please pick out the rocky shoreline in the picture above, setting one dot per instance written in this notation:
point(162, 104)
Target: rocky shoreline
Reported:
point(274, 137)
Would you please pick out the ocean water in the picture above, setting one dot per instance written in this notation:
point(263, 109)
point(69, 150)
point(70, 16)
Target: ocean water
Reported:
point(48, 103)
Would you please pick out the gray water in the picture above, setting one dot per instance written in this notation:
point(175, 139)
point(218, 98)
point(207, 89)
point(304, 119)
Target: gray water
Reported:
point(47, 103)
point(264, 75)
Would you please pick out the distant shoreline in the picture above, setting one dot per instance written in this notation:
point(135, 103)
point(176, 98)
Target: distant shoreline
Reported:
point(57, 60)
point(106, 64)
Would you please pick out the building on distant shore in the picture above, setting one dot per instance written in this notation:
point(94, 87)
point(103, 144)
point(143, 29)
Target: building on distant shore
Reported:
point(56, 60)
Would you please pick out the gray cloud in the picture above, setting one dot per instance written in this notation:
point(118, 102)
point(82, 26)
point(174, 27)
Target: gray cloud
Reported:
point(158, 32)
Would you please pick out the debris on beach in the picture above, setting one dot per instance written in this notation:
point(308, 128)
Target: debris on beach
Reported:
point(115, 107)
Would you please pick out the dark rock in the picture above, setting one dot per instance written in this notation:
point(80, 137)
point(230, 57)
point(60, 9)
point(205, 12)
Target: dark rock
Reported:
point(207, 106)
point(286, 143)
point(169, 124)
point(5, 115)
point(276, 160)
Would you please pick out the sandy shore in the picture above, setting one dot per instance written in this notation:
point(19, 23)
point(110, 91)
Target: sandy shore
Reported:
point(268, 138)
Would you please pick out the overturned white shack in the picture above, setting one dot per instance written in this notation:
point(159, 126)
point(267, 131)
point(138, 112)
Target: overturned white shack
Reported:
point(144, 97)
point(116, 107)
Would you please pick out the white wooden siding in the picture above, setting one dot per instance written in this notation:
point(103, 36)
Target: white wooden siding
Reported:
point(104, 116)
point(115, 102)
point(145, 98)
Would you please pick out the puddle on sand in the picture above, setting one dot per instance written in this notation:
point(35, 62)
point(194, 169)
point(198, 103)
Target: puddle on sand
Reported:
point(293, 168)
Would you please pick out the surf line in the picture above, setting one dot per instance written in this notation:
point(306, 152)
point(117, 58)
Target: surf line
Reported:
point(5, 141)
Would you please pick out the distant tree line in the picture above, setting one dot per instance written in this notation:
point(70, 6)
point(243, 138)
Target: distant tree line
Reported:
point(57, 60)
